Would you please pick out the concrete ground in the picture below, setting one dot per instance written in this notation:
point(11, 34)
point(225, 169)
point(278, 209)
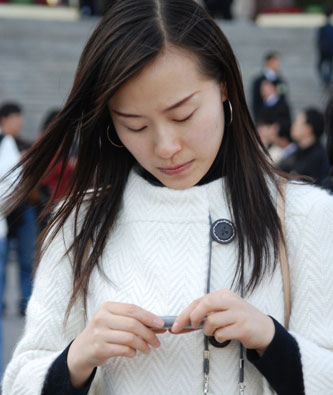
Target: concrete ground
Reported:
point(38, 60)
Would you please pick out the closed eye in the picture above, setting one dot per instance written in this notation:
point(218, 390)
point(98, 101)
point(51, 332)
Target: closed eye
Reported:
point(137, 130)
point(185, 119)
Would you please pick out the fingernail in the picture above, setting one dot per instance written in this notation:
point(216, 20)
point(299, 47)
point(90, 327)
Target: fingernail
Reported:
point(157, 343)
point(158, 323)
point(175, 327)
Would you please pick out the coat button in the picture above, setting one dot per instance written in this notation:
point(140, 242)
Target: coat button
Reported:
point(223, 231)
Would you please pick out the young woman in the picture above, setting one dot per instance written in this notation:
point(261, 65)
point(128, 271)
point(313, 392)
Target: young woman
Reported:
point(172, 213)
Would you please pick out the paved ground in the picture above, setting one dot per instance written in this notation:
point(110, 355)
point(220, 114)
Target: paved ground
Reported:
point(38, 60)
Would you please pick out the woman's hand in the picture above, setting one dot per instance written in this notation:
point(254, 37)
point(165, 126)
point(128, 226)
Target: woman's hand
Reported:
point(228, 317)
point(117, 330)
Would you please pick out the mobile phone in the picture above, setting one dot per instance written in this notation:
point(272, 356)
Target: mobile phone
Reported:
point(170, 319)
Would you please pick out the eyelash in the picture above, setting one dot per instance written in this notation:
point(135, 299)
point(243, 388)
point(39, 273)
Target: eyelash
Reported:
point(137, 130)
point(175, 120)
point(185, 119)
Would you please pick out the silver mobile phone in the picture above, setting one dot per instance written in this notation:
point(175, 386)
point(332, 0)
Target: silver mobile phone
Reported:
point(170, 319)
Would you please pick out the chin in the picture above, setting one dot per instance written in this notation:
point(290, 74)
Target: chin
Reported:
point(179, 184)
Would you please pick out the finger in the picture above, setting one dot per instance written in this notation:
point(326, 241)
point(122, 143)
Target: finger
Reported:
point(227, 333)
point(218, 320)
point(119, 350)
point(217, 301)
point(184, 318)
point(128, 339)
point(128, 324)
point(131, 310)
point(182, 332)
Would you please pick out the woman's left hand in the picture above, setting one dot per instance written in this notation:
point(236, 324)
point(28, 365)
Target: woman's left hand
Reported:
point(228, 317)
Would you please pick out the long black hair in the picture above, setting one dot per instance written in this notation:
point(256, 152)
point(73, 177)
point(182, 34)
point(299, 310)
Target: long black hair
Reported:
point(131, 34)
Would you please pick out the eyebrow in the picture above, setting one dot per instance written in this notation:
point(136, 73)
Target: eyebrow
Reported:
point(172, 107)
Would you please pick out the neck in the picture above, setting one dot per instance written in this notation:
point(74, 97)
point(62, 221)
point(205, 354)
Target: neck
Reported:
point(283, 143)
point(7, 132)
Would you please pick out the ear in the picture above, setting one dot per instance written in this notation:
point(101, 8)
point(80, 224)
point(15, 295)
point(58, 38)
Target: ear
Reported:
point(224, 91)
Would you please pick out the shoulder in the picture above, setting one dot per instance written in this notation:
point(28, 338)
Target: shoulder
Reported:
point(59, 241)
point(304, 200)
point(258, 78)
point(8, 146)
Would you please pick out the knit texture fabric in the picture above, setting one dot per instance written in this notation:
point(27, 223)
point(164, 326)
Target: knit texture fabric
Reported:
point(157, 257)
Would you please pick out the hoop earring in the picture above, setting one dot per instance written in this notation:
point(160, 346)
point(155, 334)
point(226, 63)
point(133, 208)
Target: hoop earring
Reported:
point(230, 108)
point(109, 138)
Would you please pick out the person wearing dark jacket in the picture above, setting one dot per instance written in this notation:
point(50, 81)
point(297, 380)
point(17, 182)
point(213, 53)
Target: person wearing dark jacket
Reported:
point(219, 7)
point(310, 159)
point(22, 225)
point(274, 104)
point(325, 51)
point(274, 130)
point(328, 181)
point(271, 72)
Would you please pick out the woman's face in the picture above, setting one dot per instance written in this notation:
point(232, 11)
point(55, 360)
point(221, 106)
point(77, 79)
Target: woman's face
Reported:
point(170, 117)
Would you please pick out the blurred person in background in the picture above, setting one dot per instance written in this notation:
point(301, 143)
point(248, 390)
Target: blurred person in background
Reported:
point(9, 157)
point(218, 8)
point(325, 51)
point(273, 118)
point(328, 181)
point(274, 103)
point(94, 7)
point(56, 183)
point(22, 225)
point(271, 72)
point(275, 134)
point(310, 159)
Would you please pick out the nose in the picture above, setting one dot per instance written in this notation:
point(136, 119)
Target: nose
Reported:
point(167, 143)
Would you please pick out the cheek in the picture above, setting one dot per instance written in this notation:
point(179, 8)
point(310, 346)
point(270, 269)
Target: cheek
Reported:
point(136, 146)
point(130, 140)
point(210, 129)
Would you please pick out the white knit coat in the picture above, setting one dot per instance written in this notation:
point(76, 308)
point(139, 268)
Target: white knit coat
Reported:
point(157, 258)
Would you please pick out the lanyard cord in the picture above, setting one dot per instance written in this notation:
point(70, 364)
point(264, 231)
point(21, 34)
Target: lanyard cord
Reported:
point(206, 340)
point(242, 384)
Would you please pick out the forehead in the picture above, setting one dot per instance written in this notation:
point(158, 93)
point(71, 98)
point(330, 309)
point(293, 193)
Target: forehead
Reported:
point(275, 58)
point(13, 115)
point(172, 74)
point(301, 117)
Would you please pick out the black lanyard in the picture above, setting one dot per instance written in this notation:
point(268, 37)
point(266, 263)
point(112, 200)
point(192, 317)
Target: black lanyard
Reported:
point(206, 354)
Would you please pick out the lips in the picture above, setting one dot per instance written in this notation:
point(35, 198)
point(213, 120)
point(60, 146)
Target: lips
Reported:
point(176, 169)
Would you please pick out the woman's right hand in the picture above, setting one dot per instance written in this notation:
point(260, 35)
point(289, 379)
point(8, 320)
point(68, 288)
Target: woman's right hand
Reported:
point(117, 330)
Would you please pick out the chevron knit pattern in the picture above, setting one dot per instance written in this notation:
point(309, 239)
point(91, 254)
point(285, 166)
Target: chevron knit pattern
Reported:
point(157, 258)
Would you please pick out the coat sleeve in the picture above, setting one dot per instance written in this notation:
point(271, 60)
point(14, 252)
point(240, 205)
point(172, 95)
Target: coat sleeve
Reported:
point(45, 336)
point(309, 230)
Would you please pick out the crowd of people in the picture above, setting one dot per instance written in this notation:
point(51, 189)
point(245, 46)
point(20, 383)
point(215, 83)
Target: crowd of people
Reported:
point(295, 146)
point(172, 209)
